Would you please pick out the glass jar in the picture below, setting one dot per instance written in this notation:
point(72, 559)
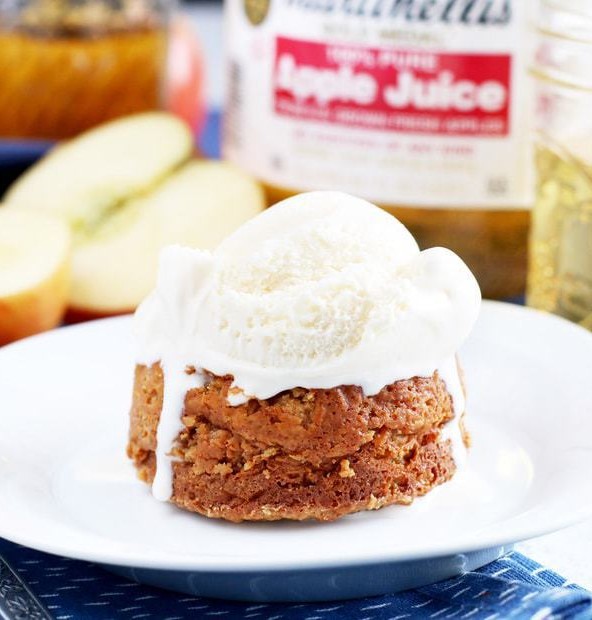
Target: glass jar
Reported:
point(67, 65)
point(422, 107)
point(560, 268)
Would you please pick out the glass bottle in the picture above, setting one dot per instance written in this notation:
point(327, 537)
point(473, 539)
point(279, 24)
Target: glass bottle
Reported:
point(67, 65)
point(560, 267)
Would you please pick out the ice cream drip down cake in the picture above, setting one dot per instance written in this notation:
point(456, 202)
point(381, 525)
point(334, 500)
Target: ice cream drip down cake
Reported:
point(306, 368)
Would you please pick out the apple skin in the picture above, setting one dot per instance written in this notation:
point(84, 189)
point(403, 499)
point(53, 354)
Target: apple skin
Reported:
point(80, 315)
point(36, 310)
point(185, 83)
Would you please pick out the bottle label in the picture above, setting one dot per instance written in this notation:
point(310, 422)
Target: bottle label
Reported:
point(402, 91)
point(394, 101)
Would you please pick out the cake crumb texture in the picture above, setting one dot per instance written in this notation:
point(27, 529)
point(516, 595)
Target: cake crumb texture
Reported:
point(319, 453)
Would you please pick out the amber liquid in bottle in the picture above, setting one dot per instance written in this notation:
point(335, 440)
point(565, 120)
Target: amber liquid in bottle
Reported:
point(560, 278)
point(57, 81)
point(493, 243)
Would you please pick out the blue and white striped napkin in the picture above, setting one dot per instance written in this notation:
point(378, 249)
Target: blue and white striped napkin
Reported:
point(511, 587)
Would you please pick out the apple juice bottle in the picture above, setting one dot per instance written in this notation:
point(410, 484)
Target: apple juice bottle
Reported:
point(421, 106)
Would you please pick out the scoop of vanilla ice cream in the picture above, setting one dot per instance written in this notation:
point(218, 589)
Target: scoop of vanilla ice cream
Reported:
point(321, 290)
point(299, 286)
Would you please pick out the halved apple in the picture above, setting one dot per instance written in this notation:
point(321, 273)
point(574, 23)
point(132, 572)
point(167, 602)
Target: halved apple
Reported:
point(87, 178)
point(34, 273)
point(127, 189)
point(198, 206)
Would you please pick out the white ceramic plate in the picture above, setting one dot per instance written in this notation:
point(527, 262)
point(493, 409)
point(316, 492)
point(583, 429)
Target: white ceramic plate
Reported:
point(66, 486)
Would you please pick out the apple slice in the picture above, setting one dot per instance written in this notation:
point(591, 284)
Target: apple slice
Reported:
point(86, 178)
point(34, 270)
point(197, 206)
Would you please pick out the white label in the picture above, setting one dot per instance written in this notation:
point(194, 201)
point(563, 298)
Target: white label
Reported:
point(403, 102)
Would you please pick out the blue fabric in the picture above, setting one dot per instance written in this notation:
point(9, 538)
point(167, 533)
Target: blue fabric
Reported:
point(13, 152)
point(209, 139)
point(511, 587)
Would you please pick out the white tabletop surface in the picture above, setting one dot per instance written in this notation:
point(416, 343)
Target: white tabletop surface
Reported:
point(568, 552)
